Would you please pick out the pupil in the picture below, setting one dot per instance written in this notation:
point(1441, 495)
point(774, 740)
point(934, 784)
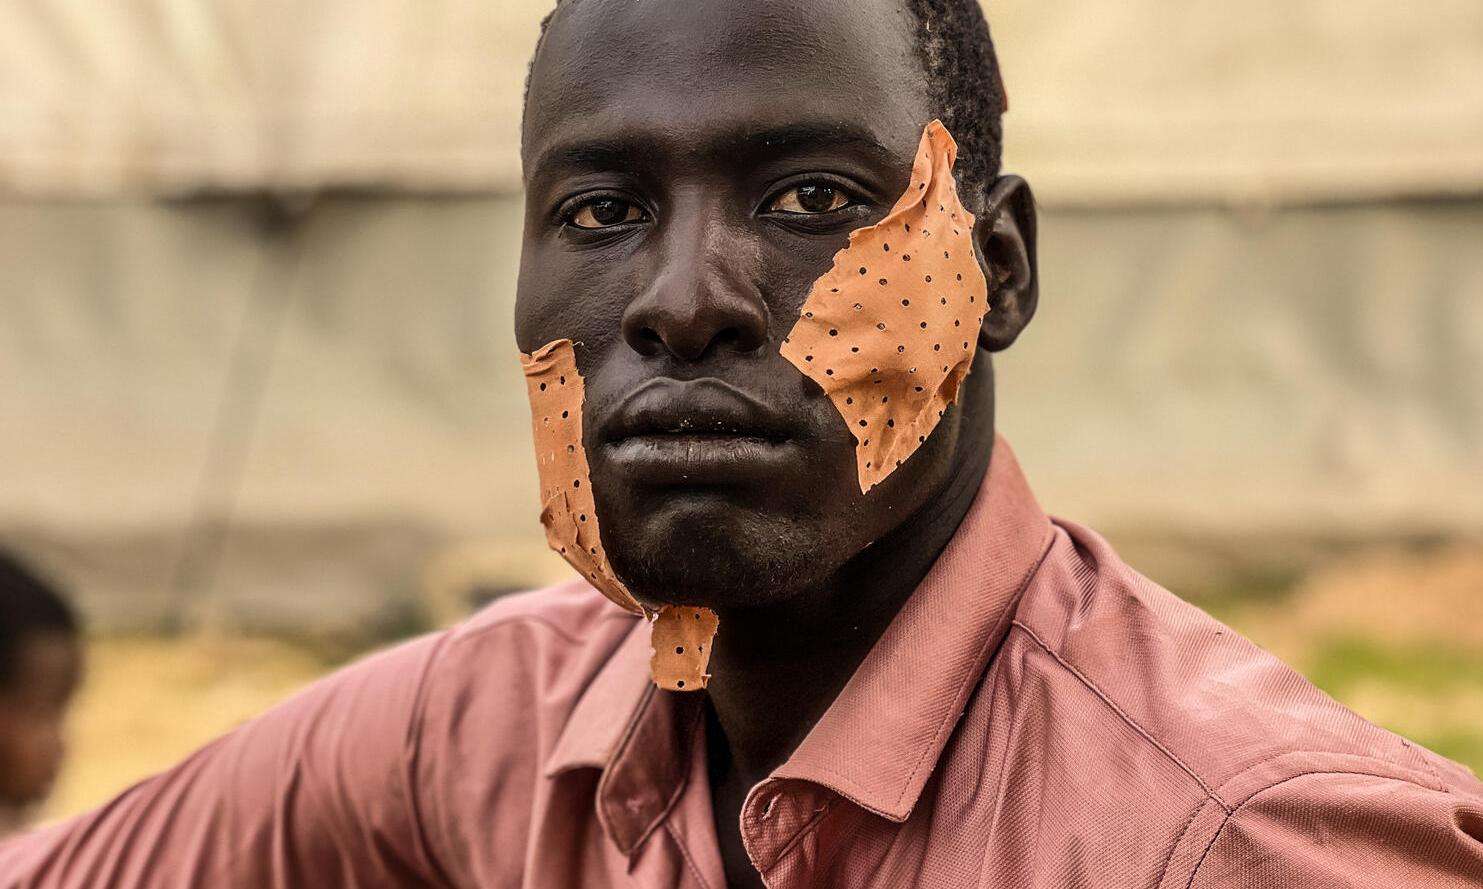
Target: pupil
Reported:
point(609, 212)
point(815, 198)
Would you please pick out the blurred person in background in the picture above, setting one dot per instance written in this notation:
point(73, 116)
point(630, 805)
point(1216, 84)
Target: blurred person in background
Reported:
point(40, 666)
point(930, 684)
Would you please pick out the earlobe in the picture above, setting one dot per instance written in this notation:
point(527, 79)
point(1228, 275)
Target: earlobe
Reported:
point(1004, 235)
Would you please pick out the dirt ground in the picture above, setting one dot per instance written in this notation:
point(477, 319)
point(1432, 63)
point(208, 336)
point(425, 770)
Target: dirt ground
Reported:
point(1396, 635)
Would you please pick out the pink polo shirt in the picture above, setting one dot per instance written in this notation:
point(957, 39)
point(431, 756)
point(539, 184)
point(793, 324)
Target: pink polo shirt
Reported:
point(1037, 715)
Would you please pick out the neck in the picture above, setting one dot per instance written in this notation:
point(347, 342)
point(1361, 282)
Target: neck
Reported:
point(782, 666)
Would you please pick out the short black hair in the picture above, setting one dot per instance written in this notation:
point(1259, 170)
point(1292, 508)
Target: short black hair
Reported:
point(964, 85)
point(29, 606)
point(965, 88)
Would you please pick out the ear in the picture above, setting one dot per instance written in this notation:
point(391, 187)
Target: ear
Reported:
point(1005, 237)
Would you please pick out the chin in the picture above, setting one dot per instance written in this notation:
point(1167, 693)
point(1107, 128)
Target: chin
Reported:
point(698, 549)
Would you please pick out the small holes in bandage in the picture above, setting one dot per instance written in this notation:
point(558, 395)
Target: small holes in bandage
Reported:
point(920, 376)
point(681, 640)
point(569, 512)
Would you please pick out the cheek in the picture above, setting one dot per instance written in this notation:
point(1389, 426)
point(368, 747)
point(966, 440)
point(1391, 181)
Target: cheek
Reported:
point(31, 752)
point(890, 332)
point(42, 743)
point(788, 275)
point(562, 294)
point(568, 512)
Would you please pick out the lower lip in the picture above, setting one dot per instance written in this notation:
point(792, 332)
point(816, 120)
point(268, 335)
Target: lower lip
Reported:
point(701, 459)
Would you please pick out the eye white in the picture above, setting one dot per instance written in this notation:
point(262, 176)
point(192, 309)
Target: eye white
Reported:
point(791, 201)
point(586, 215)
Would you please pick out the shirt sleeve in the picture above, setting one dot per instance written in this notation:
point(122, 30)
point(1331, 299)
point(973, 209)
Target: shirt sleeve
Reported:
point(1332, 830)
point(315, 793)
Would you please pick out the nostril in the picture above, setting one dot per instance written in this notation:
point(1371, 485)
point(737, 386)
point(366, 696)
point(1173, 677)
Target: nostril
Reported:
point(729, 337)
point(643, 339)
point(740, 338)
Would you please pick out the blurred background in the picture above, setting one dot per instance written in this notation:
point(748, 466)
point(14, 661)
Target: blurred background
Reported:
point(260, 408)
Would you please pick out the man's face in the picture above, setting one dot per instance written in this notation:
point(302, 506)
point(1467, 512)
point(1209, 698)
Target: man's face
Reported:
point(32, 712)
point(691, 169)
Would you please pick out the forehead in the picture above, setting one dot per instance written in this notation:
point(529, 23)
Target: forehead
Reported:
point(688, 71)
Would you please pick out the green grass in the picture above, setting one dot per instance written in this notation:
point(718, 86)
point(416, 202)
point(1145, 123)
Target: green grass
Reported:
point(1339, 665)
point(1432, 694)
point(1394, 633)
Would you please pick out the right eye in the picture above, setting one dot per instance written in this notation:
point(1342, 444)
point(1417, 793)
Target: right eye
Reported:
point(605, 212)
point(810, 199)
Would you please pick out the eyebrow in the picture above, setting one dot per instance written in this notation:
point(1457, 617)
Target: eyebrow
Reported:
point(814, 136)
point(630, 151)
point(592, 154)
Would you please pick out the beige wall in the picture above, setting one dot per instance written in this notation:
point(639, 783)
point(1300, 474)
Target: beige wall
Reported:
point(335, 402)
point(1261, 333)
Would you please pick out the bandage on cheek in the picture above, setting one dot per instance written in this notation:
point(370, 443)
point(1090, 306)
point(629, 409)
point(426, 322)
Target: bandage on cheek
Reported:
point(890, 331)
point(682, 635)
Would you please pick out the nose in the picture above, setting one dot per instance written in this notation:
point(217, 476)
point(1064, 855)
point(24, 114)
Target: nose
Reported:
point(702, 301)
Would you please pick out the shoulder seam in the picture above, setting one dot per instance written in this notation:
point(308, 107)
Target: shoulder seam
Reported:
point(1124, 716)
point(1427, 765)
point(1231, 813)
point(1179, 840)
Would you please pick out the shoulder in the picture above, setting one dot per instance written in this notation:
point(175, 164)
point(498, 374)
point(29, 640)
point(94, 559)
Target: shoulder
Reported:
point(525, 649)
point(496, 700)
point(569, 617)
point(494, 683)
point(495, 688)
point(1337, 827)
point(409, 756)
point(538, 649)
point(1266, 755)
point(1214, 699)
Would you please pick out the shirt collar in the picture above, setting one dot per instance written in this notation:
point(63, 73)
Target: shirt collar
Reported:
point(881, 738)
point(640, 737)
point(610, 702)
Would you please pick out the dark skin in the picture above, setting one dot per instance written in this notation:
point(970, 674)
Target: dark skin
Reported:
point(691, 169)
point(47, 669)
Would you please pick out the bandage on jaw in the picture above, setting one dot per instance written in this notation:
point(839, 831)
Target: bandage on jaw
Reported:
point(890, 331)
point(682, 635)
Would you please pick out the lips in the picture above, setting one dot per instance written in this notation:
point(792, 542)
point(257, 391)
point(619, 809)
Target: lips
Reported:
point(695, 433)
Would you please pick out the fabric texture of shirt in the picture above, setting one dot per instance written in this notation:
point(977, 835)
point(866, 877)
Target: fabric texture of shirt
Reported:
point(1037, 715)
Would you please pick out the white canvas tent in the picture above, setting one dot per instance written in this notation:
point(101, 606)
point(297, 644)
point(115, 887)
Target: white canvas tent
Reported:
point(1261, 326)
point(1267, 100)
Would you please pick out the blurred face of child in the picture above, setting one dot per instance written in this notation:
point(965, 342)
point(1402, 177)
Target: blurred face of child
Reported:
point(33, 707)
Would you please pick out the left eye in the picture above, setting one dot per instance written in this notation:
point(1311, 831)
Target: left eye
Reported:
point(605, 212)
point(810, 198)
